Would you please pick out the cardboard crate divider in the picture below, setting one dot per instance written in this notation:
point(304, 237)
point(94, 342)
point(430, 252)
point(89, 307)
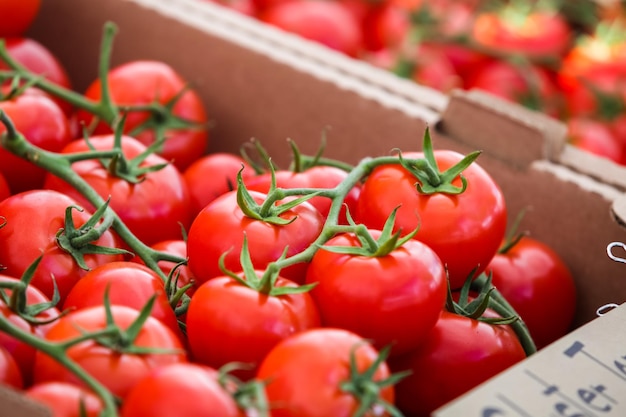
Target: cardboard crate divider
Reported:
point(259, 82)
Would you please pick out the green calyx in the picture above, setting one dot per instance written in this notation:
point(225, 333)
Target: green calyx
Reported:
point(17, 301)
point(386, 243)
point(78, 241)
point(249, 396)
point(266, 284)
point(122, 340)
point(130, 170)
point(269, 211)
point(367, 391)
point(426, 170)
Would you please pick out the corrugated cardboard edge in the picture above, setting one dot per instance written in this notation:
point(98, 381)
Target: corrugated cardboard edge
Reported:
point(306, 55)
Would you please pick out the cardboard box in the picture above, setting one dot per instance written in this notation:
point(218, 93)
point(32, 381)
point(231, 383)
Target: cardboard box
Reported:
point(259, 82)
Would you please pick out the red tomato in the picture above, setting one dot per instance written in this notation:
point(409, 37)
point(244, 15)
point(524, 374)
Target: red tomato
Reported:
point(220, 228)
point(392, 299)
point(65, 400)
point(159, 394)
point(433, 68)
point(4, 190)
point(596, 137)
point(314, 177)
point(459, 354)
point(39, 60)
point(528, 85)
point(17, 16)
point(140, 83)
point(10, 374)
point(117, 370)
point(153, 209)
point(385, 25)
point(129, 284)
point(22, 352)
point(42, 123)
point(213, 175)
point(305, 374)
point(465, 230)
point(326, 22)
point(261, 321)
point(533, 33)
point(42, 214)
point(537, 283)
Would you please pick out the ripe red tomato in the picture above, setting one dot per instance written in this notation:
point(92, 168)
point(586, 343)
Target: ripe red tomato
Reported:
point(514, 29)
point(313, 177)
point(159, 394)
point(140, 83)
point(10, 374)
point(213, 175)
point(129, 284)
point(529, 85)
point(305, 374)
point(65, 400)
point(42, 123)
point(22, 352)
point(327, 22)
point(261, 321)
point(385, 25)
point(38, 59)
point(17, 16)
point(153, 209)
point(595, 137)
point(432, 67)
point(4, 190)
point(392, 299)
point(117, 370)
point(220, 228)
point(459, 354)
point(33, 220)
point(464, 230)
point(537, 283)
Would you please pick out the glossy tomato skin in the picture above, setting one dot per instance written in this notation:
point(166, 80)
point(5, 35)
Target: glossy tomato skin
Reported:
point(143, 82)
point(4, 190)
point(17, 16)
point(459, 354)
point(220, 228)
point(213, 175)
point(595, 137)
point(536, 34)
point(330, 23)
point(305, 371)
point(64, 399)
point(39, 60)
point(153, 209)
point(394, 299)
point(129, 284)
point(464, 230)
point(160, 393)
point(33, 219)
point(22, 352)
point(42, 123)
point(314, 177)
point(118, 372)
point(531, 86)
point(533, 278)
point(260, 323)
point(10, 374)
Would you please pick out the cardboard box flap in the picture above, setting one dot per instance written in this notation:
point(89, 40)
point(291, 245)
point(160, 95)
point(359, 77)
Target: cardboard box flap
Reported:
point(200, 13)
point(15, 404)
point(599, 168)
point(507, 131)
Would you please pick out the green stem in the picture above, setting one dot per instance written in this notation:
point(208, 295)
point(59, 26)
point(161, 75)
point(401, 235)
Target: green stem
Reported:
point(57, 352)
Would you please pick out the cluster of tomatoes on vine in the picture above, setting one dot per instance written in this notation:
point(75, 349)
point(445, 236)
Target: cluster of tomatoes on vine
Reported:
point(565, 59)
point(139, 270)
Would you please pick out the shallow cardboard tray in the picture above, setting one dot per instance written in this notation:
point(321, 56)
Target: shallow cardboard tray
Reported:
point(258, 82)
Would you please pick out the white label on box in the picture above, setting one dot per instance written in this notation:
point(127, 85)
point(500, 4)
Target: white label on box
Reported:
point(581, 375)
